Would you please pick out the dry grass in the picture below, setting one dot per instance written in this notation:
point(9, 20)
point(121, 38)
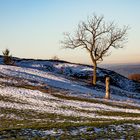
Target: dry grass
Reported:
point(135, 77)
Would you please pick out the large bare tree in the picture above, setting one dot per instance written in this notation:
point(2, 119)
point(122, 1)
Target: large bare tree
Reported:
point(97, 37)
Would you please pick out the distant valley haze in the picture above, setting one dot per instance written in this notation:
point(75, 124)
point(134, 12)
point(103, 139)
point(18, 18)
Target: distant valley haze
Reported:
point(123, 69)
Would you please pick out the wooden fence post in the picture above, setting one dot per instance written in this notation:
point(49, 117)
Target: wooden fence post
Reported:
point(107, 82)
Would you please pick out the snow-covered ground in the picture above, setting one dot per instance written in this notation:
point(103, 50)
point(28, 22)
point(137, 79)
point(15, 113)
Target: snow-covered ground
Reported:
point(34, 87)
point(25, 99)
point(58, 79)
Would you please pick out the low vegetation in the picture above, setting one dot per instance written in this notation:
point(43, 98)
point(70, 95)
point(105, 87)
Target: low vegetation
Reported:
point(135, 77)
point(7, 58)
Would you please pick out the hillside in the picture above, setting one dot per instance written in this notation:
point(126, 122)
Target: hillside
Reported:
point(54, 99)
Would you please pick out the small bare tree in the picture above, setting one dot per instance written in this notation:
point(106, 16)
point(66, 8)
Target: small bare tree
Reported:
point(97, 37)
point(7, 58)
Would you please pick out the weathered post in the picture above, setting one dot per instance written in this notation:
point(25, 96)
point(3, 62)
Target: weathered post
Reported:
point(107, 96)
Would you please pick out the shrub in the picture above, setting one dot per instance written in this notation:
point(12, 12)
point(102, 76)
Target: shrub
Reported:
point(7, 58)
point(135, 77)
point(55, 58)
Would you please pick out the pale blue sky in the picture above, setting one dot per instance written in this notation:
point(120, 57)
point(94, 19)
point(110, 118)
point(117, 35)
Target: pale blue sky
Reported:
point(34, 28)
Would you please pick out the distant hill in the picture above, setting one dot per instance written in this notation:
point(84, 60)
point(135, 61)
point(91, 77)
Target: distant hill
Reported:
point(125, 69)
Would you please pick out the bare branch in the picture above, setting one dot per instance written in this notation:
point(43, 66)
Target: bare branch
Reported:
point(97, 37)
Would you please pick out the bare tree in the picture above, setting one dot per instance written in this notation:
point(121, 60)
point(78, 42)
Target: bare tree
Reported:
point(97, 37)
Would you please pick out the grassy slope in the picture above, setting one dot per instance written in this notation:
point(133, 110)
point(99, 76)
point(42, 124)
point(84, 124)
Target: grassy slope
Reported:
point(32, 119)
point(46, 121)
point(20, 119)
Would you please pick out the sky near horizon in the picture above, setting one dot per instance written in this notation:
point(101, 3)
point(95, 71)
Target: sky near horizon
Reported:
point(34, 28)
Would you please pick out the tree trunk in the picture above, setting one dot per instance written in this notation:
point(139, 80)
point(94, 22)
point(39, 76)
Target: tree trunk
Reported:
point(94, 74)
